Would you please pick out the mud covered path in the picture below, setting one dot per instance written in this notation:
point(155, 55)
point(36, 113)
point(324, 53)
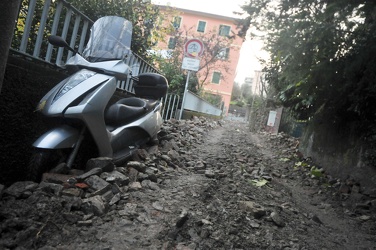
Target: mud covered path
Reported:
point(231, 190)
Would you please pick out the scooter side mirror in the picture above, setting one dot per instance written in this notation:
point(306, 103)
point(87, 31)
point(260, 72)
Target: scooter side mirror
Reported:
point(59, 42)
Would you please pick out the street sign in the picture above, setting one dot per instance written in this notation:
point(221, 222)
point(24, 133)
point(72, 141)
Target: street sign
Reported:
point(191, 64)
point(194, 48)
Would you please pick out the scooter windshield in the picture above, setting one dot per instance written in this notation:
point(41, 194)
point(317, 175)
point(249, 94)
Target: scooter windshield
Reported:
point(110, 39)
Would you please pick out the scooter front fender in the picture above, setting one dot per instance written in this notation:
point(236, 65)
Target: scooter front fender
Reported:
point(58, 138)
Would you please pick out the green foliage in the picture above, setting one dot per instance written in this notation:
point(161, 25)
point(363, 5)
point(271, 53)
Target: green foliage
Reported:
point(239, 103)
point(34, 27)
point(316, 172)
point(214, 99)
point(236, 92)
point(170, 67)
point(322, 61)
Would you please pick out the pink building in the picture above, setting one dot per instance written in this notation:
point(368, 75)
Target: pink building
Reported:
point(219, 78)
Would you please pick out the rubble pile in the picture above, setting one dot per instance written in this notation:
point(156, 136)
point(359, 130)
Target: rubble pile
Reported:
point(206, 185)
point(346, 195)
point(79, 196)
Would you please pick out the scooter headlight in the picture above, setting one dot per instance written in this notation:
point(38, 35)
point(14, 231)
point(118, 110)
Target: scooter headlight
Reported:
point(73, 81)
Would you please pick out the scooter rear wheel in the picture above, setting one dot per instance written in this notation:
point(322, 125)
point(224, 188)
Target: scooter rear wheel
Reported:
point(41, 161)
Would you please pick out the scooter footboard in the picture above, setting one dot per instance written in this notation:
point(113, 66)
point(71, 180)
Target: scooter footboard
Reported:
point(58, 138)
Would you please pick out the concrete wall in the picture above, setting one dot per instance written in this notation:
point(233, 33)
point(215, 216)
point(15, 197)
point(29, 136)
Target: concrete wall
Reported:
point(339, 151)
point(24, 85)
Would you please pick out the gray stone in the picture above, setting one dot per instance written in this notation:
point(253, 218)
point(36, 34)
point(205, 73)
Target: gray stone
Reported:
point(153, 150)
point(94, 171)
point(104, 163)
point(255, 209)
point(133, 175)
point(87, 223)
point(142, 176)
point(135, 186)
point(98, 185)
point(277, 219)
point(116, 177)
point(19, 188)
point(166, 158)
point(199, 166)
point(129, 210)
point(183, 217)
point(55, 178)
point(108, 196)
point(150, 185)
point(139, 166)
point(72, 203)
point(51, 187)
point(72, 218)
point(115, 199)
point(364, 218)
point(209, 173)
point(75, 192)
point(95, 205)
point(116, 189)
point(254, 224)
point(152, 177)
point(173, 154)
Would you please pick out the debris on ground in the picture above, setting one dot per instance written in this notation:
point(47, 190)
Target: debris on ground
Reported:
point(207, 185)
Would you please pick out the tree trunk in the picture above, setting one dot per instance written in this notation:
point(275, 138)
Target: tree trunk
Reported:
point(9, 10)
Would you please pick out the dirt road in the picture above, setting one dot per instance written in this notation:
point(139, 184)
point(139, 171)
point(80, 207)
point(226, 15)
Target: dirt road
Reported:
point(229, 190)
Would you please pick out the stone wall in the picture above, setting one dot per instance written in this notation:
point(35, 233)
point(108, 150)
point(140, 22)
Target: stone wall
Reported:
point(339, 151)
point(24, 84)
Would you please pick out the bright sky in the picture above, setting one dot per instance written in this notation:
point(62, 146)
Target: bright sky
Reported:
point(250, 50)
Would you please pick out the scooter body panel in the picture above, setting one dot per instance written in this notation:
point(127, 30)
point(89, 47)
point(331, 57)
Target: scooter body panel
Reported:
point(55, 106)
point(151, 123)
point(91, 111)
point(58, 138)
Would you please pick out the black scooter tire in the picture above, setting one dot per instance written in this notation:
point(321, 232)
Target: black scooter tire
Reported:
point(41, 161)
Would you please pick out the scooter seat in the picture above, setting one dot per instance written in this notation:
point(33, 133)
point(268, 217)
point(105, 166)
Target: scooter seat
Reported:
point(127, 110)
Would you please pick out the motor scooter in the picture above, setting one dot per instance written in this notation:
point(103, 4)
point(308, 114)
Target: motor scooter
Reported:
point(94, 116)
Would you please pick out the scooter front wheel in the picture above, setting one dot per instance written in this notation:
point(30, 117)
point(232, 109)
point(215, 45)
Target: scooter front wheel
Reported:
point(42, 160)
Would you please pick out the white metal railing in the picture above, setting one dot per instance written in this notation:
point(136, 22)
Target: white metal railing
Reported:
point(170, 106)
point(36, 23)
point(196, 103)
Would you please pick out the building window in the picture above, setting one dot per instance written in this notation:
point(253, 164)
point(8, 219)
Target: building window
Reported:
point(172, 43)
point(201, 26)
point(176, 22)
point(223, 53)
point(224, 30)
point(216, 77)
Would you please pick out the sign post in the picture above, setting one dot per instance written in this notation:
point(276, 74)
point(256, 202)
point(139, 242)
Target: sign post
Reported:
point(193, 50)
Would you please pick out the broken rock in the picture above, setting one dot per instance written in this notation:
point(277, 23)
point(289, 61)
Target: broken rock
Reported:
point(104, 163)
point(98, 185)
point(95, 205)
point(139, 166)
point(277, 219)
point(20, 188)
point(255, 209)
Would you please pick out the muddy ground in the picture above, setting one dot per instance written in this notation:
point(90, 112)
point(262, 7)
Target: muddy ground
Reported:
point(215, 186)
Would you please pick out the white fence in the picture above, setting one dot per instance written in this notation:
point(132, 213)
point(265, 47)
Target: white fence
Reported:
point(196, 103)
point(59, 17)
